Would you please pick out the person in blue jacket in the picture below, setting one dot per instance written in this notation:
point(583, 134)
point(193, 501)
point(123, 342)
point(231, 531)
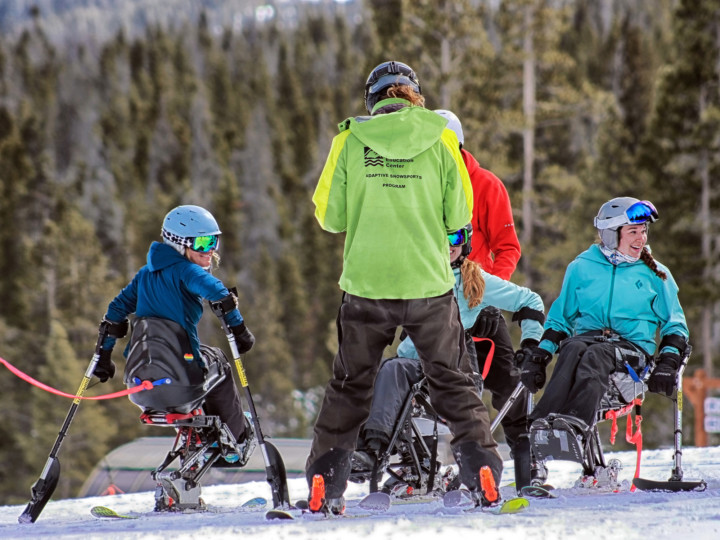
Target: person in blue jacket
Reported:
point(475, 290)
point(171, 287)
point(615, 297)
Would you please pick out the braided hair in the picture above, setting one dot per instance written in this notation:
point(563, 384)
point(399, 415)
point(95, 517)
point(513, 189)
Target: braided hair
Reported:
point(648, 259)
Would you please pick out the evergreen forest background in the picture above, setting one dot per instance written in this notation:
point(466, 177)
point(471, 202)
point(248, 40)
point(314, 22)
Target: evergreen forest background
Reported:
point(114, 111)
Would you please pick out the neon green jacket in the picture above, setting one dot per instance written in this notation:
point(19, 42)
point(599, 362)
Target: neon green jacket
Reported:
point(396, 184)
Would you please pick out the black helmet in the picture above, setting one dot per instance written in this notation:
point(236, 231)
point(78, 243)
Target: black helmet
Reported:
point(385, 75)
point(461, 237)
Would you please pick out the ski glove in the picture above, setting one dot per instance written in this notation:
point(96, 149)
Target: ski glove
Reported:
point(487, 321)
point(519, 357)
point(243, 337)
point(105, 368)
point(534, 362)
point(663, 379)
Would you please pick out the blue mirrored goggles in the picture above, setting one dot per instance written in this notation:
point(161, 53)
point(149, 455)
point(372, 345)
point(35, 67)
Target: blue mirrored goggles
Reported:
point(203, 244)
point(637, 214)
point(458, 238)
point(642, 211)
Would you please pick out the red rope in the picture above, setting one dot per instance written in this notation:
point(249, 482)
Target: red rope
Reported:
point(489, 357)
point(145, 385)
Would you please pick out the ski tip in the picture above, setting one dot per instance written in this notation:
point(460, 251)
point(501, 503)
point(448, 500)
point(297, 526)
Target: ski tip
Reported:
point(278, 514)
point(376, 501)
point(257, 502)
point(105, 512)
point(457, 498)
point(537, 492)
point(511, 506)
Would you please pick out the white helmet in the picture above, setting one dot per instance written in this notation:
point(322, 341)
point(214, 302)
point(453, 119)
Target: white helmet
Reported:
point(619, 212)
point(453, 123)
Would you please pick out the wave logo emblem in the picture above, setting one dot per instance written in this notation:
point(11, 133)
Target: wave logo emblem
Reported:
point(372, 158)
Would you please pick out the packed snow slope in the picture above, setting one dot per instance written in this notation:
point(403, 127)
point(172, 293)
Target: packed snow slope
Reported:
point(576, 513)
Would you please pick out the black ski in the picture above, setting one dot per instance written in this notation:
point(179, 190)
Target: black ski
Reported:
point(670, 485)
point(538, 492)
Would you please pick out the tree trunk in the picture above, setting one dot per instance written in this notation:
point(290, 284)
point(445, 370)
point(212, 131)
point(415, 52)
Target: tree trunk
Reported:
point(528, 141)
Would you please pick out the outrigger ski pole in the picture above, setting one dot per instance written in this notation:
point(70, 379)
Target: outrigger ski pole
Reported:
point(274, 465)
point(43, 489)
point(675, 482)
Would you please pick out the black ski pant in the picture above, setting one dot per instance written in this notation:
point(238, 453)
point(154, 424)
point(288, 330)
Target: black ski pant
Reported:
point(365, 328)
point(502, 379)
point(224, 400)
point(392, 388)
point(582, 376)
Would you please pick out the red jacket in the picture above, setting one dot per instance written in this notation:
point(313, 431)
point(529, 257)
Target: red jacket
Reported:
point(495, 245)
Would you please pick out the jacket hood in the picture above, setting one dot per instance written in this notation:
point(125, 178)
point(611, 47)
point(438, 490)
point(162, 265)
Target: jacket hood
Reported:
point(402, 134)
point(470, 162)
point(161, 256)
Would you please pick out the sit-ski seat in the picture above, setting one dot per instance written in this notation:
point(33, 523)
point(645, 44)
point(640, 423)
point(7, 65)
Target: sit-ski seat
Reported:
point(410, 458)
point(567, 438)
point(159, 352)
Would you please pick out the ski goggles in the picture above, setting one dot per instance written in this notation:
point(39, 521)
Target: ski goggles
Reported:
point(203, 244)
point(638, 213)
point(458, 238)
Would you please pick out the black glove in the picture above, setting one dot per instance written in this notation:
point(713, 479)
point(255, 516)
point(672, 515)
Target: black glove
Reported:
point(487, 322)
point(663, 379)
point(105, 368)
point(243, 338)
point(535, 360)
point(519, 357)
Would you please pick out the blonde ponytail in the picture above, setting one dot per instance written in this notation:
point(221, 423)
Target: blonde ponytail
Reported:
point(473, 283)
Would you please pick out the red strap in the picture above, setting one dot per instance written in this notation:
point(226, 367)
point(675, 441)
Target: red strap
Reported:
point(613, 429)
point(613, 415)
point(489, 357)
point(145, 385)
point(635, 439)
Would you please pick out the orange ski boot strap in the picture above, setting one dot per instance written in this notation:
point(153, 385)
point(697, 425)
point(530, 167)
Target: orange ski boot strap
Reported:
point(317, 494)
point(487, 484)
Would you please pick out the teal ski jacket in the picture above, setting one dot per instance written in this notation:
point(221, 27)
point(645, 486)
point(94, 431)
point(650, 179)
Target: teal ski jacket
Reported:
point(396, 184)
point(627, 298)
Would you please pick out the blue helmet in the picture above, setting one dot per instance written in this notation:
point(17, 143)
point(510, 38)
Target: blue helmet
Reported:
point(184, 223)
point(385, 75)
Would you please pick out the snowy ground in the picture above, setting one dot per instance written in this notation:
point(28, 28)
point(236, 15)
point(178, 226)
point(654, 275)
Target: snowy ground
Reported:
point(574, 514)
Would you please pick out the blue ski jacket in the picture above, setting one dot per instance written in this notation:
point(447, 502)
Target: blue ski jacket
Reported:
point(500, 293)
point(627, 298)
point(171, 287)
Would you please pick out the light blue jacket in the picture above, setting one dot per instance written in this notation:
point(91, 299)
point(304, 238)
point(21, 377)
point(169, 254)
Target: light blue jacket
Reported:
point(628, 298)
point(500, 293)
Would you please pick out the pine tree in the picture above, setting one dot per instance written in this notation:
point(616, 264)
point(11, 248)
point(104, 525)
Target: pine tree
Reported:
point(680, 156)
